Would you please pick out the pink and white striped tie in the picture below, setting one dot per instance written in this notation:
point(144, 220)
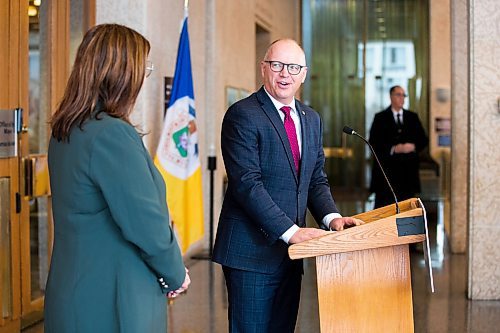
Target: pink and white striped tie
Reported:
point(292, 136)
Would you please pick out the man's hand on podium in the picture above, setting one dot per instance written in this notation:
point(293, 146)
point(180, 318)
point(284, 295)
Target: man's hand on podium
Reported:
point(337, 224)
point(305, 234)
point(340, 223)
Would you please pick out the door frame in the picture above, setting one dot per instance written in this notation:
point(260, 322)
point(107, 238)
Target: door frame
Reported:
point(10, 98)
point(14, 70)
point(58, 57)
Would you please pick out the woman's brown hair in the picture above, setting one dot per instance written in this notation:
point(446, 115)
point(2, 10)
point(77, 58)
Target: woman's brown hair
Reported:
point(109, 68)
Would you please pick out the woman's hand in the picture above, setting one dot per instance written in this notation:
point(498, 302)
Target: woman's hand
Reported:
point(183, 288)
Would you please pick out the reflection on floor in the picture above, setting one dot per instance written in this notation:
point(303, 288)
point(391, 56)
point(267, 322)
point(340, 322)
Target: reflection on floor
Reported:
point(204, 308)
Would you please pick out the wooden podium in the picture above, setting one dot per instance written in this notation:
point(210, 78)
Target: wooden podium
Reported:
point(364, 280)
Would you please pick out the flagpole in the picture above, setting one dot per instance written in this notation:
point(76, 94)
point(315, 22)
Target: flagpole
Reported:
point(211, 151)
point(210, 121)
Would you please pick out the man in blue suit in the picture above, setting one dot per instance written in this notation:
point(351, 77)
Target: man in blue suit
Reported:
point(273, 154)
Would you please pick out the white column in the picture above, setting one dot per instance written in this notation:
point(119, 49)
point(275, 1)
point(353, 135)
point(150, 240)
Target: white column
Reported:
point(484, 154)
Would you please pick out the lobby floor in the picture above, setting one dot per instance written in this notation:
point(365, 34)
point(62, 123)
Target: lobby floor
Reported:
point(203, 309)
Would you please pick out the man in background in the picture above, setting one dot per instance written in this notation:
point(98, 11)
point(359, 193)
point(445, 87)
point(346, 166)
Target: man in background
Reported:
point(397, 136)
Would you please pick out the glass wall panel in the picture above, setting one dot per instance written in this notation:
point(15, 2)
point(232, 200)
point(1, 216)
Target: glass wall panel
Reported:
point(76, 27)
point(357, 50)
point(40, 109)
point(397, 54)
point(335, 85)
point(39, 255)
point(5, 248)
point(39, 113)
point(39, 85)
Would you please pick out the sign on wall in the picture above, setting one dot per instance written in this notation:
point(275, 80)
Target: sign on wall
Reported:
point(10, 126)
point(443, 130)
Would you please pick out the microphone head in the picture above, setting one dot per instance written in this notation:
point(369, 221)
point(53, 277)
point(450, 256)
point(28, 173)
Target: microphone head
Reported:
point(348, 130)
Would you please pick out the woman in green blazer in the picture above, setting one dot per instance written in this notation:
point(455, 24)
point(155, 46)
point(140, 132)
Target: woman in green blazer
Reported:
point(115, 257)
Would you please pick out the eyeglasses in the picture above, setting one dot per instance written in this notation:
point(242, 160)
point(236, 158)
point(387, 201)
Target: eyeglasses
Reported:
point(400, 95)
point(149, 68)
point(277, 66)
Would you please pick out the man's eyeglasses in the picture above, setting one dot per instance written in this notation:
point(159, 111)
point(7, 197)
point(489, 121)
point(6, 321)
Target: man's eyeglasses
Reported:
point(400, 95)
point(277, 66)
point(149, 68)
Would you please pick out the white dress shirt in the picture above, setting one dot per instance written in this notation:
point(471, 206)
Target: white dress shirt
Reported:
point(296, 119)
point(395, 115)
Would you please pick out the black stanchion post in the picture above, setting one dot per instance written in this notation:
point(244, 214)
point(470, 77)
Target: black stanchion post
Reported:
point(212, 165)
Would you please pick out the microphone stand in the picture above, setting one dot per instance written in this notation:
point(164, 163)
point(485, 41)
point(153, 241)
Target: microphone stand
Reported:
point(350, 131)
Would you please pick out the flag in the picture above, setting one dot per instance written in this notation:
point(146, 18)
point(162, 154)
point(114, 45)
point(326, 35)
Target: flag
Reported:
point(177, 155)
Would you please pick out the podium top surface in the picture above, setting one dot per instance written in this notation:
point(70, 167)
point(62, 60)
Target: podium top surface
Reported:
point(383, 227)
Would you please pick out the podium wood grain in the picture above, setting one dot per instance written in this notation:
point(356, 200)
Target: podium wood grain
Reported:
point(364, 280)
point(365, 291)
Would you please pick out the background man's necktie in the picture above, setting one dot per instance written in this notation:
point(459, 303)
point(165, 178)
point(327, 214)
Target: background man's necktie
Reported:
point(292, 136)
point(398, 121)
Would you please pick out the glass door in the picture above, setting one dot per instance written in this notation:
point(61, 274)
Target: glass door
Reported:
point(37, 38)
point(10, 99)
point(10, 305)
point(357, 50)
point(36, 233)
point(55, 29)
point(335, 87)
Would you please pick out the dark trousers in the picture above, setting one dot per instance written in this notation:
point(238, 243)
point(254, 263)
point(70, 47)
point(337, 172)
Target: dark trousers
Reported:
point(260, 303)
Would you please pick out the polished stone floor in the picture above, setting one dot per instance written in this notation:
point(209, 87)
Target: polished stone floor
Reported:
point(204, 307)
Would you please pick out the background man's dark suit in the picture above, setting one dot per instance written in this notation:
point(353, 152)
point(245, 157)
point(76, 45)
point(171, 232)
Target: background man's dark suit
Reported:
point(265, 196)
point(401, 169)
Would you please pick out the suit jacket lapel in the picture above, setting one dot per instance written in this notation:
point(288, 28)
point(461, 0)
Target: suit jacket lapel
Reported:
point(390, 120)
point(272, 114)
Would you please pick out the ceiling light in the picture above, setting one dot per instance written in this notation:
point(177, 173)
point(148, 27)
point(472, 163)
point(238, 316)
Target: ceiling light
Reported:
point(32, 11)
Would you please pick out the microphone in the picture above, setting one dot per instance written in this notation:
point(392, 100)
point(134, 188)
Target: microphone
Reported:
point(350, 131)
